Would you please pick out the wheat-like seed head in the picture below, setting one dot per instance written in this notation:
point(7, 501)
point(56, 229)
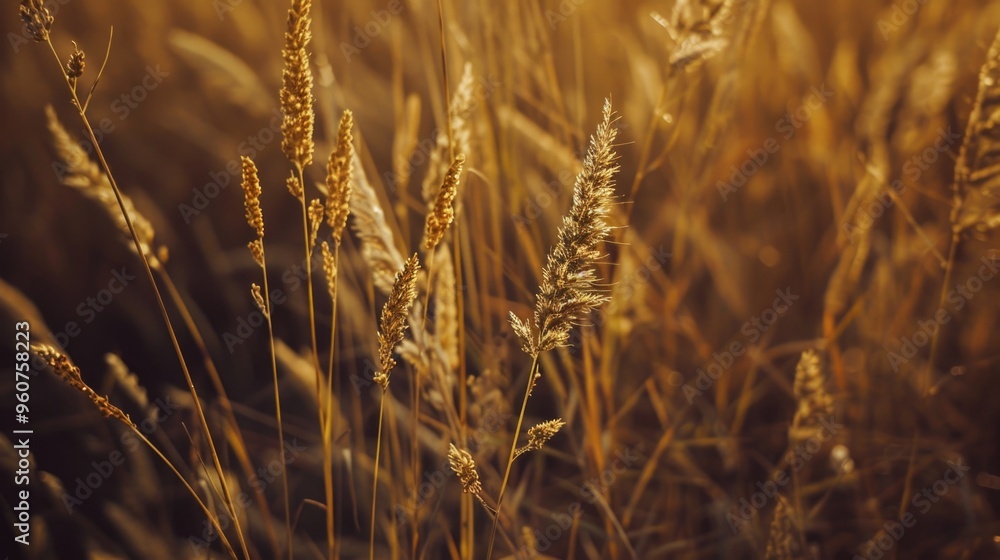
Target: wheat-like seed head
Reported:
point(63, 367)
point(539, 434)
point(463, 104)
point(338, 178)
point(443, 213)
point(568, 291)
point(37, 19)
point(465, 467)
point(394, 317)
point(810, 391)
point(256, 248)
point(251, 196)
point(329, 269)
point(296, 87)
point(315, 213)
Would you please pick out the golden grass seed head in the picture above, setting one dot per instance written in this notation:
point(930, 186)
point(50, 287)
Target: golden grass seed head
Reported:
point(443, 213)
point(814, 402)
point(568, 291)
point(540, 434)
point(329, 269)
point(465, 467)
point(395, 313)
point(257, 251)
point(63, 367)
point(338, 178)
point(782, 540)
point(296, 87)
point(251, 195)
point(37, 19)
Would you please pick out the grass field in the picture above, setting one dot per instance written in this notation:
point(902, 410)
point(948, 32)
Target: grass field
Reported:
point(292, 270)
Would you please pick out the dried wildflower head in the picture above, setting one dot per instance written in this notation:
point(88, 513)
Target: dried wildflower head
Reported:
point(443, 213)
point(63, 367)
point(251, 195)
point(569, 280)
point(296, 87)
point(814, 402)
point(77, 62)
point(37, 19)
point(394, 318)
point(539, 434)
point(315, 219)
point(338, 178)
point(465, 467)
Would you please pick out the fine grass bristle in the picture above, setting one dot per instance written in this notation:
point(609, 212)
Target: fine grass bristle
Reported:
point(296, 87)
point(443, 212)
point(338, 178)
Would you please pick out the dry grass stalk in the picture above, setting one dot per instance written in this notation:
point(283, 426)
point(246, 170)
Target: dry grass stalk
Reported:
point(338, 178)
point(814, 402)
point(296, 87)
point(64, 368)
point(446, 323)
point(569, 280)
point(539, 434)
point(443, 213)
point(395, 313)
point(81, 173)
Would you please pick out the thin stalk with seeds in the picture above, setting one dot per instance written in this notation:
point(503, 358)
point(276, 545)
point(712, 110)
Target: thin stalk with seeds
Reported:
point(149, 273)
